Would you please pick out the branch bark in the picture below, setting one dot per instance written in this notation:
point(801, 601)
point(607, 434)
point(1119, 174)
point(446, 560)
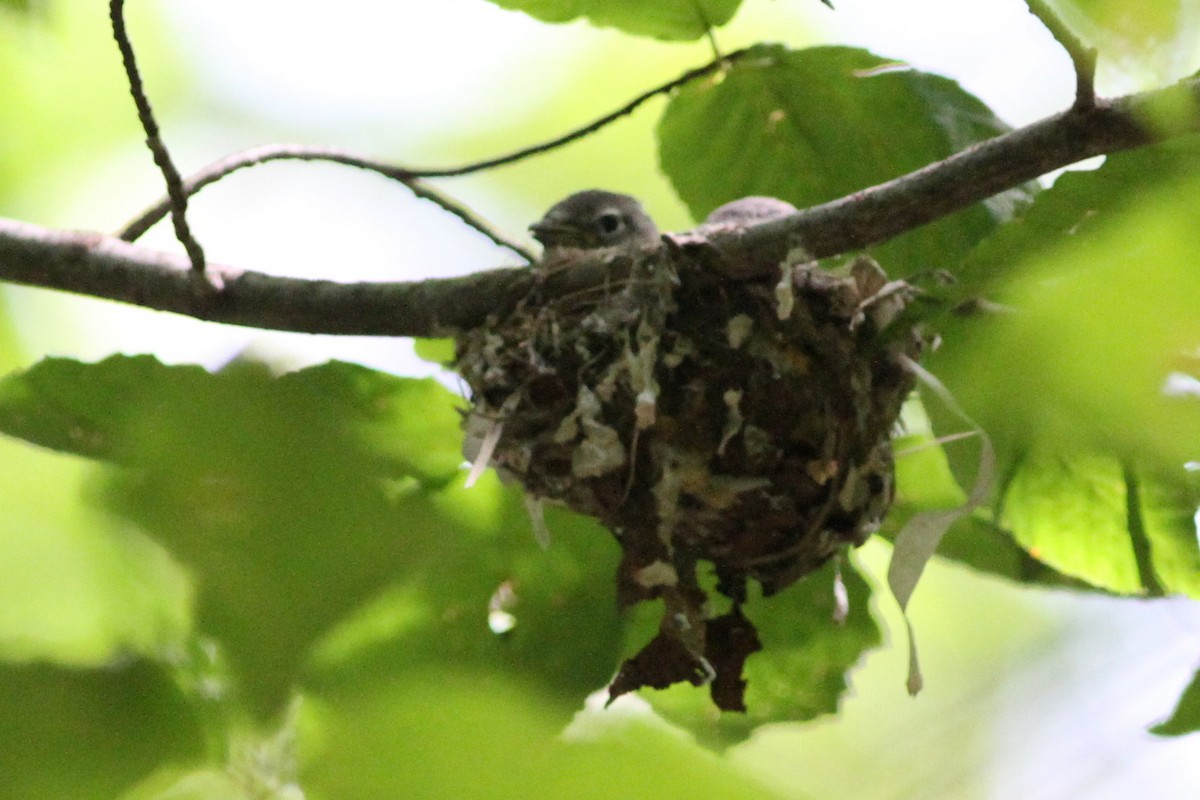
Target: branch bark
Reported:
point(101, 266)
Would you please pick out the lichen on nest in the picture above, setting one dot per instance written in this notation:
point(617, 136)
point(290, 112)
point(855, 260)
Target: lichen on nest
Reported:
point(742, 423)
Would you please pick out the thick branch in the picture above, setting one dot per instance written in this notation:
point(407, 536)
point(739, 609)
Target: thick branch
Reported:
point(882, 212)
point(101, 266)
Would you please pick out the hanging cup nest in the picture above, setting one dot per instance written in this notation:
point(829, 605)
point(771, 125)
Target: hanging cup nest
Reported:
point(743, 423)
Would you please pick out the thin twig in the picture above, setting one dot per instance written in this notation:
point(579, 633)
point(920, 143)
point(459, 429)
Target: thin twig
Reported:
point(277, 152)
point(178, 202)
point(1082, 57)
point(595, 125)
point(427, 192)
point(298, 152)
point(99, 266)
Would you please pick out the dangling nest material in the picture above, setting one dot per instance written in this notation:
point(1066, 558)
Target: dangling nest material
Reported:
point(743, 423)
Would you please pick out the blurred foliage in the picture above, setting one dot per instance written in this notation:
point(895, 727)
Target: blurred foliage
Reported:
point(17, 6)
point(455, 732)
point(274, 581)
point(62, 78)
point(90, 733)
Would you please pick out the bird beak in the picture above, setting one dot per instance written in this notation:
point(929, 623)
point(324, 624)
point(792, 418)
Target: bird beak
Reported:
point(547, 232)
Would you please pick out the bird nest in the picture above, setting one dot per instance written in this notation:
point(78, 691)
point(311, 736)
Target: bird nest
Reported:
point(745, 424)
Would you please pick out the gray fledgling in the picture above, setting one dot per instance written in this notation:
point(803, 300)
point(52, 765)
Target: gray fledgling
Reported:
point(592, 220)
point(749, 210)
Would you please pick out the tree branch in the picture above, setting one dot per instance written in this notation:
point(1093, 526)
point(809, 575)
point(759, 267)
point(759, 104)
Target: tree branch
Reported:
point(102, 266)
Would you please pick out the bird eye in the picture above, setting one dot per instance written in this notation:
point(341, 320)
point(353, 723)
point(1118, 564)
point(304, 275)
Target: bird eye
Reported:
point(609, 222)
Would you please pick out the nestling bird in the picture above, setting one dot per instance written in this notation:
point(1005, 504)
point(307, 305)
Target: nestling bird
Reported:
point(749, 210)
point(592, 220)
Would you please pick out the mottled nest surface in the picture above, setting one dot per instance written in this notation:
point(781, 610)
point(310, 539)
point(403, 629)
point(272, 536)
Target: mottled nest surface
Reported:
point(743, 423)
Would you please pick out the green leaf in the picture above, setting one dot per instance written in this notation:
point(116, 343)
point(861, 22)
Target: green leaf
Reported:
point(810, 126)
point(661, 19)
point(801, 672)
point(488, 598)
point(1166, 507)
point(1104, 317)
point(62, 69)
point(452, 732)
point(278, 493)
point(122, 408)
point(437, 351)
point(923, 476)
point(1186, 717)
point(88, 734)
point(1117, 528)
point(1079, 203)
point(295, 501)
point(985, 546)
point(1072, 513)
point(925, 482)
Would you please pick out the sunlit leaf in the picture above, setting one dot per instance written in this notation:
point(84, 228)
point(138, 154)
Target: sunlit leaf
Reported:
point(662, 19)
point(986, 547)
point(1072, 513)
point(76, 588)
point(1167, 506)
point(1090, 517)
point(924, 481)
point(437, 351)
point(813, 125)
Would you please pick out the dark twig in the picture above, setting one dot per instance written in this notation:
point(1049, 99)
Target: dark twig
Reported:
point(595, 125)
point(298, 152)
point(277, 152)
point(99, 266)
point(427, 192)
point(1082, 56)
point(116, 11)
